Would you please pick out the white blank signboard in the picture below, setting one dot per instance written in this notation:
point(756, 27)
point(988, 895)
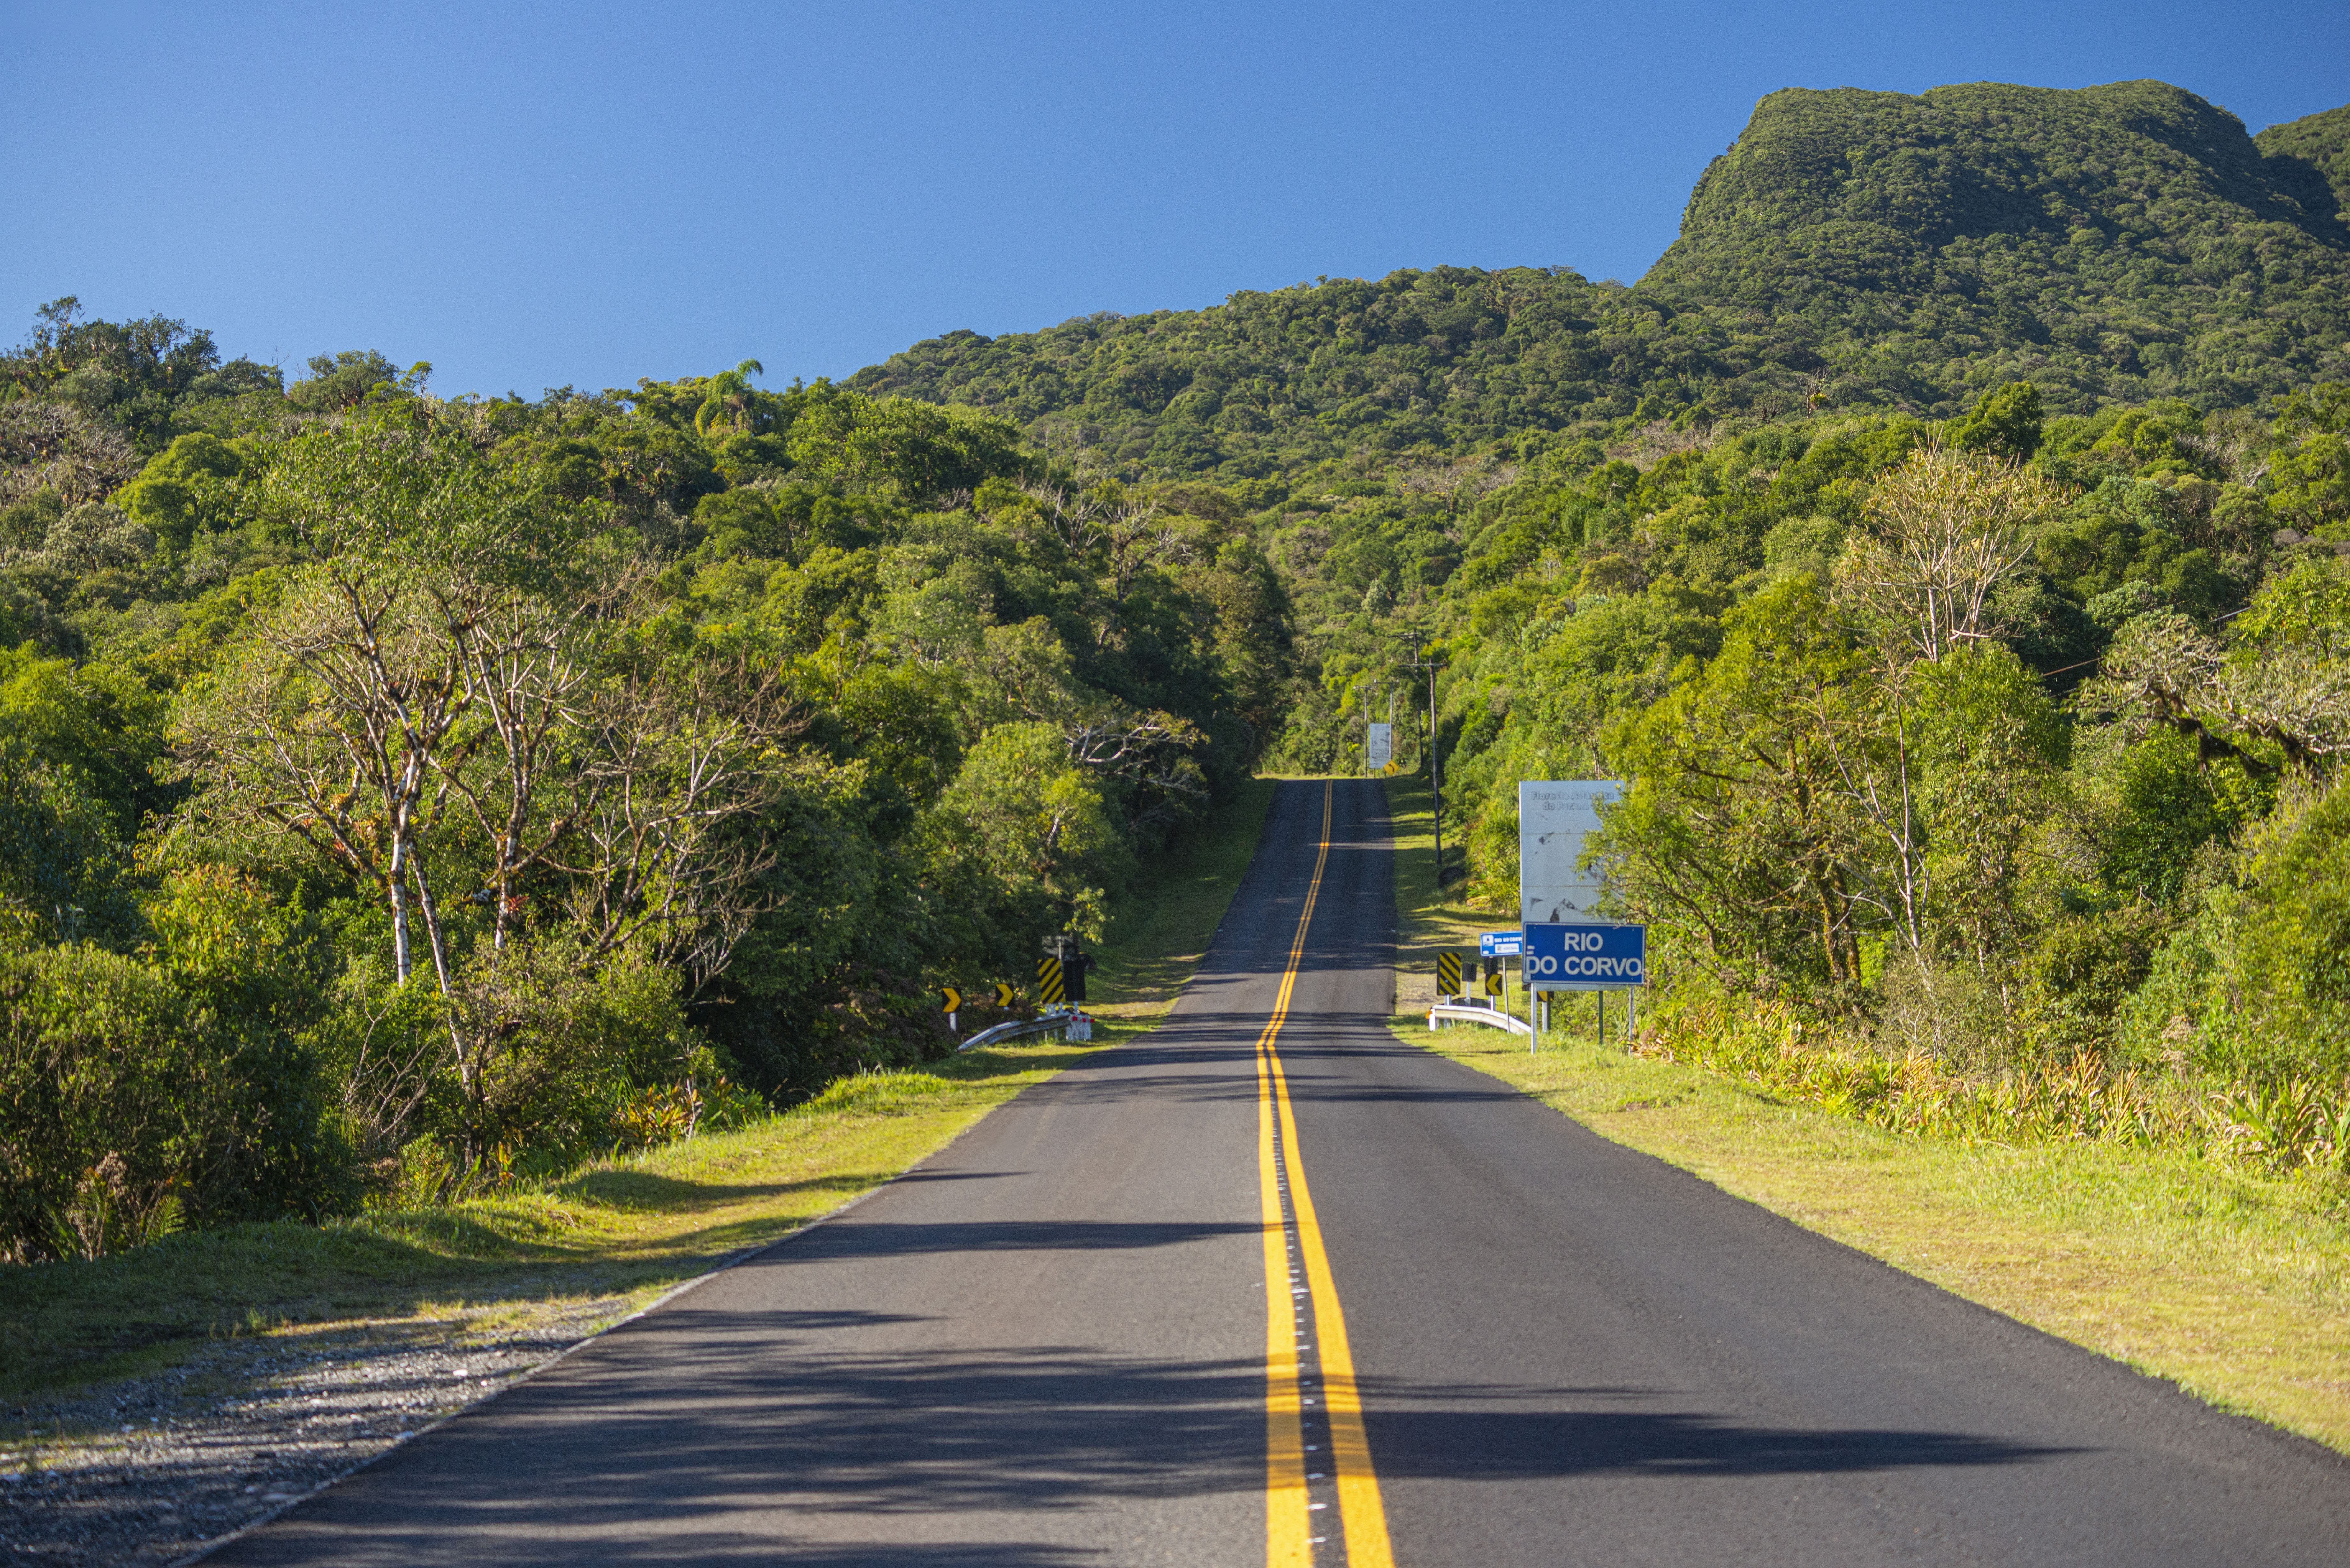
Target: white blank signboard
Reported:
point(1380, 750)
point(1553, 817)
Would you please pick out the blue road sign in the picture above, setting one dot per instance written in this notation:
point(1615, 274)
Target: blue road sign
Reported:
point(1500, 944)
point(1585, 958)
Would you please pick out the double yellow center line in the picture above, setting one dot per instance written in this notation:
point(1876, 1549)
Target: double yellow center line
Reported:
point(1306, 1418)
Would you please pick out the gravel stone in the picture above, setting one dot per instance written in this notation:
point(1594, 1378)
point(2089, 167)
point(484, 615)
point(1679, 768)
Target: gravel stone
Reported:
point(151, 1468)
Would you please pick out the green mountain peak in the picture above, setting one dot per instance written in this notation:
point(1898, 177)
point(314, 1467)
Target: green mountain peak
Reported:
point(2315, 144)
point(2111, 244)
point(2127, 240)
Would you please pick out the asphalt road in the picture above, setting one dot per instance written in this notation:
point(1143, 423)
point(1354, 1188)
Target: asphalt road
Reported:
point(1490, 1338)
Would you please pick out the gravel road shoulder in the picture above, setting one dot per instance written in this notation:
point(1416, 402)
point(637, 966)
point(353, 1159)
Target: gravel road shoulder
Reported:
point(150, 1470)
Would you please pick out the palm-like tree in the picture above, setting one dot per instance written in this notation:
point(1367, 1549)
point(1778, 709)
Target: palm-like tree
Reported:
point(730, 399)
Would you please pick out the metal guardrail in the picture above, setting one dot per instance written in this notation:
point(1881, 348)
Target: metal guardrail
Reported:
point(1491, 1017)
point(1020, 1028)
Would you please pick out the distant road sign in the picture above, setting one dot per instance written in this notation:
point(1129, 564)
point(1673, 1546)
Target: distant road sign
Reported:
point(1585, 958)
point(1554, 818)
point(1447, 974)
point(1051, 989)
point(1501, 944)
point(1378, 747)
point(1002, 994)
point(950, 999)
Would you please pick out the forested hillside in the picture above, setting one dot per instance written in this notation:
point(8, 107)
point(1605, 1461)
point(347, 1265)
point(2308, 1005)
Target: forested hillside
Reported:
point(393, 790)
point(1946, 539)
point(1851, 250)
point(2320, 140)
point(2015, 733)
point(2115, 243)
point(1949, 540)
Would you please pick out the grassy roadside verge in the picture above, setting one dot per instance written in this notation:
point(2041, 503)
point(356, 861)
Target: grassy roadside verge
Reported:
point(1424, 921)
point(1158, 939)
point(2234, 1285)
point(615, 1232)
point(628, 1228)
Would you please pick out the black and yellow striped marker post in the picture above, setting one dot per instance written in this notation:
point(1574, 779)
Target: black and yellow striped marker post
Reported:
point(1447, 974)
point(1051, 989)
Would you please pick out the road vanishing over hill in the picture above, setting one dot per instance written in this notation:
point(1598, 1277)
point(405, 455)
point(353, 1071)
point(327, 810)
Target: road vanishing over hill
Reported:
point(1268, 1286)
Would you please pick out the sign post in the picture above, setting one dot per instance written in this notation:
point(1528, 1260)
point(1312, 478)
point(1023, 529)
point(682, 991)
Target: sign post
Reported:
point(1496, 947)
point(1447, 974)
point(1557, 894)
point(1585, 957)
point(1073, 967)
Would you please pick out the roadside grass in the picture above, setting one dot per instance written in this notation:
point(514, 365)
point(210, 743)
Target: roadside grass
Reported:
point(628, 1227)
point(2234, 1285)
point(1425, 923)
point(1158, 939)
point(617, 1232)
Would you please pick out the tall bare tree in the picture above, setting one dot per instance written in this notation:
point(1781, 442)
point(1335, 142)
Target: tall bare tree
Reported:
point(1946, 527)
point(453, 706)
point(1124, 533)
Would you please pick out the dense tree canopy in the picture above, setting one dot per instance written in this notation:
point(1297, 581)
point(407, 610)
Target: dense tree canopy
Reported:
point(598, 755)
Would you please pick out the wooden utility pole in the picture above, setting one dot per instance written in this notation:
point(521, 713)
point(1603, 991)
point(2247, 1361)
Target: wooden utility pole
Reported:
point(1435, 769)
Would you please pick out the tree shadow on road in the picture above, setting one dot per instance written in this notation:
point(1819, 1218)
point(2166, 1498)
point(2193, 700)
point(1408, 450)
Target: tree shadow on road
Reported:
point(722, 1436)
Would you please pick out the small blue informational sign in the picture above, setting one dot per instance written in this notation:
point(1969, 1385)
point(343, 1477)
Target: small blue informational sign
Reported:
point(1585, 958)
point(1500, 944)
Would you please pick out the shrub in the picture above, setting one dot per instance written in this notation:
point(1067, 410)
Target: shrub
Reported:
point(126, 1102)
point(2296, 973)
point(2257, 985)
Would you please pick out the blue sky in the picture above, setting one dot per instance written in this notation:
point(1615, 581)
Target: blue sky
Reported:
point(585, 193)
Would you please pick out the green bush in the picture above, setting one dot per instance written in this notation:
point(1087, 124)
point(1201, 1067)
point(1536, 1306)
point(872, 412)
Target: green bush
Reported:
point(2295, 956)
point(126, 1101)
point(2257, 985)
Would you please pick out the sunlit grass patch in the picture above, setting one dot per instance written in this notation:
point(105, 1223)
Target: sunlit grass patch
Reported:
point(1164, 930)
point(880, 1093)
point(625, 1227)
